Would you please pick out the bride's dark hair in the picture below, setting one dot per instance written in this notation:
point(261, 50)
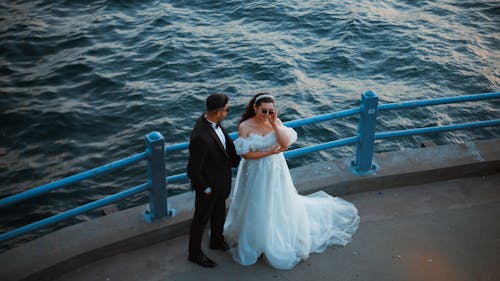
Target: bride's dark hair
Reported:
point(249, 111)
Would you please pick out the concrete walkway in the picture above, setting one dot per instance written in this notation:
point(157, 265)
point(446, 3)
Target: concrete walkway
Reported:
point(447, 230)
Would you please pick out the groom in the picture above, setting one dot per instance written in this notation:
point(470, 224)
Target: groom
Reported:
point(211, 156)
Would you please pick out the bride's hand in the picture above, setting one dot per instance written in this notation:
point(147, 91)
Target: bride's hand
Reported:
point(273, 116)
point(277, 149)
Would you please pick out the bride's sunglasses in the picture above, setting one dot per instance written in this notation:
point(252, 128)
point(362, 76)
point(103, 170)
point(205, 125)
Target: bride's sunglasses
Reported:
point(264, 111)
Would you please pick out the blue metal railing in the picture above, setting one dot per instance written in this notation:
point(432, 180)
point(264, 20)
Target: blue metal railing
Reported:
point(73, 179)
point(156, 150)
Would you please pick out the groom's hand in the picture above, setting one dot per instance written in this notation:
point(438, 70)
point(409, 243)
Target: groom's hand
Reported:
point(208, 191)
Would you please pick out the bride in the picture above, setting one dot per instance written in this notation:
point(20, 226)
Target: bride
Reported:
point(267, 216)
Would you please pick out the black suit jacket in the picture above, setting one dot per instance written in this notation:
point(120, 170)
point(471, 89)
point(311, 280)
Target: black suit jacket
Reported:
point(209, 164)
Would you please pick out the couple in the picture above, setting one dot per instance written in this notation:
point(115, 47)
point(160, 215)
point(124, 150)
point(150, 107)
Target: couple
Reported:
point(267, 216)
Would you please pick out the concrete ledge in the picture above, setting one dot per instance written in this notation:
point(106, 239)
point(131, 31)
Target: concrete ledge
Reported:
point(77, 245)
point(400, 168)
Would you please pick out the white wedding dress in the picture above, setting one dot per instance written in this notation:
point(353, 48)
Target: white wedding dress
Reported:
point(267, 215)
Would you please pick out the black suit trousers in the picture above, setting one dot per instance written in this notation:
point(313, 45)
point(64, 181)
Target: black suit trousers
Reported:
point(211, 208)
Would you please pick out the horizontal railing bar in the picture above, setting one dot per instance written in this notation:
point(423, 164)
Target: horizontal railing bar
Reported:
point(185, 145)
point(318, 147)
point(291, 124)
point(354, 111)
point(178, 177)
point(322, 117)
point(410, 132)
point(73, 212)
point(177, 146)
point(37, 191)
point(438, 101)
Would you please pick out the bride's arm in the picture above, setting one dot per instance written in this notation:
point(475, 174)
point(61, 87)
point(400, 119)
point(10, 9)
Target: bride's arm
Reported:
point(261, 154)
point(279, 130)
point(244, 132)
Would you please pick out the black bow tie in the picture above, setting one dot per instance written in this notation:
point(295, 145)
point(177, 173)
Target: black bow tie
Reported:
point(215, 125)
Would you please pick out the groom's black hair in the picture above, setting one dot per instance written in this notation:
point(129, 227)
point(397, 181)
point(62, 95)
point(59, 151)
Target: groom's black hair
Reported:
point(216, 101)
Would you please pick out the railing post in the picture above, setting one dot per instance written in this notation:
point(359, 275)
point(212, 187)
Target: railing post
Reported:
point(366, 131)
point(155, 146)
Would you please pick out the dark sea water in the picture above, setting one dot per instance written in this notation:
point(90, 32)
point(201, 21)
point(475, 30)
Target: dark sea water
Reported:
point(82, 82)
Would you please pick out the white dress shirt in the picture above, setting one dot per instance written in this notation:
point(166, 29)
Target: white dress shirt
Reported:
point(219, 133)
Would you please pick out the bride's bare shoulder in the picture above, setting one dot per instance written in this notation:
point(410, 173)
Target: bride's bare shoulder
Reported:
point(245, 128)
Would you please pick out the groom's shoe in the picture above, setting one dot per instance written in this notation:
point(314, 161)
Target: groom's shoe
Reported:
point(202, 260)
point(219, 246)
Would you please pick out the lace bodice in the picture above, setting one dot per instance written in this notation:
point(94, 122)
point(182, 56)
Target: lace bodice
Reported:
point(256, 142)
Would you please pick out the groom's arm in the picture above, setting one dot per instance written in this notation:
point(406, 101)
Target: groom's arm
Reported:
point(197, 155)
point(235, 158)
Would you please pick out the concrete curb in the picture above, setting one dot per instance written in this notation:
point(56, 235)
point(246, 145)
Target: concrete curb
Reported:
point(401, 168)
point(74, 246)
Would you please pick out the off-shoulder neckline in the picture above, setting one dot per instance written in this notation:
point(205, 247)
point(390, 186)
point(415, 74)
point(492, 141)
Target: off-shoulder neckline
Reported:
point(257, 135)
